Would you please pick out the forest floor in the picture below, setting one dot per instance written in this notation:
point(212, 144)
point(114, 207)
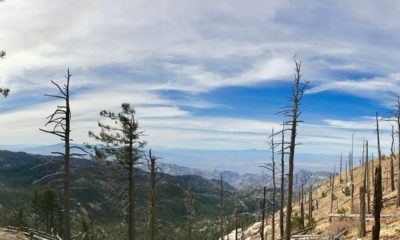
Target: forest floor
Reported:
point(327, 226)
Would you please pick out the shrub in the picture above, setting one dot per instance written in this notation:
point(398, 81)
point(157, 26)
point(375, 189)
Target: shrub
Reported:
point(323, 194)
point(342, 211)
point(297, 222)
point(346, 191)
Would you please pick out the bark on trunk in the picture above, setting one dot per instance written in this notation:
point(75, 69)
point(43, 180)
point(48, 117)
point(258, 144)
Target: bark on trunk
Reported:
point(362, 212)
point(377, 203)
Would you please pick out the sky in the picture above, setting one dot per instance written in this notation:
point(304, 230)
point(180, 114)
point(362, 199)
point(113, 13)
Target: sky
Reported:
point(203, 75)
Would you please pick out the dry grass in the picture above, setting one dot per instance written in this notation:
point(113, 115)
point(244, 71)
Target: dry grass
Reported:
point(390, 228)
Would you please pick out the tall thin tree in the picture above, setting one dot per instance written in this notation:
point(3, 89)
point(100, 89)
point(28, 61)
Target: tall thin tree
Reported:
point(282, 186)
point(221, 205)
point(294, 113)
point(152, 167)
point(377, 203)
point(392, 156)
point(60, 125)
point(121, 141)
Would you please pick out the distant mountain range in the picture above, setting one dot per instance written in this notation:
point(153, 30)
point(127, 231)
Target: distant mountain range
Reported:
point(189, 162)
point(240, 161)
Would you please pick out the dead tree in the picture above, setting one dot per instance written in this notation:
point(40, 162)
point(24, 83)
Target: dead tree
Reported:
point(221, 205)
point(152, 167)
point(398, 149)
point(60, 122)
point(310, 202)
point(271, 168)
point(262, 235)
point(362, 230)
point(294, 113)
point(367, 183)
point(340, 170)
point(282, 187)
point(333, 187)
point(346, 171)
point(302, 206)
point(189, 204)
point(352, 173)
point(392, 156)
point(377, 203)
point(378, 141)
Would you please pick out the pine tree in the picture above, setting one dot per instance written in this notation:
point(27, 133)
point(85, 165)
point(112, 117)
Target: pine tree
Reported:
point(121, 142)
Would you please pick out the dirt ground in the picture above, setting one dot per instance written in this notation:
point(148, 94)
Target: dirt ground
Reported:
point(8, 235)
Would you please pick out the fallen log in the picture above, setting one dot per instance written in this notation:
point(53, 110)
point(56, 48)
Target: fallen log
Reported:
point(367, 216)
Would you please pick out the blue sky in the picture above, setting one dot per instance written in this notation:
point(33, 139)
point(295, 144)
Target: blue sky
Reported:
point(203, 74)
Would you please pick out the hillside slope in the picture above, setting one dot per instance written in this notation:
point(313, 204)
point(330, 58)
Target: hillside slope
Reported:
point(390, 227)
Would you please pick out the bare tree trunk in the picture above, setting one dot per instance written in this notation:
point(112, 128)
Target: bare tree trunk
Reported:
point(281, 226)
point(263, 215)
point(367, 175)
point(222, 208)
point(151, 164)
point(310, 202)
point(340, 171)
point(302, 207)
point(67, 197)
point(398, 153)
point(333, 187)
point(346, 172)
point(298, 92)
point(378, 141)
point(377, 203)
point(392, 156)
point(362, 212)
point(352, 185)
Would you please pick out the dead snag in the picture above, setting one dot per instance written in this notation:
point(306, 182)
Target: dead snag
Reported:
point(294, 113)
point(377, 203)
point(362, 230)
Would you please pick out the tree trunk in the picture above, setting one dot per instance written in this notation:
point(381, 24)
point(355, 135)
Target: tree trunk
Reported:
point(298, 92)
point(302, 207)
point(152, 196)
point(392, 156)
point(340, 171)
point(263, 215)
point(362, 212)
point(67, 197)
point(281, 226)
point(367, 175)
point(310, 203)
point(378, 141)
point(222, 208)
point(131, 222)
point(398, 153)
point(377, 203)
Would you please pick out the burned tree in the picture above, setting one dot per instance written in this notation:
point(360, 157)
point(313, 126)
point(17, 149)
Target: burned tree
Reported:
point(377, 203)
point(398, 149)
point(271, 168)
point(367, 182)
point(282, 187)
point(60, 125)
point(310, 202)
point(340, 170)
point(378, 140)
point(294, 113)
point(332, 188)
point(262, 234)
point(121, 142)
point(302, 206)
point(221, 205)
point(392, 156)
point(362, 230)
point(151, 224)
